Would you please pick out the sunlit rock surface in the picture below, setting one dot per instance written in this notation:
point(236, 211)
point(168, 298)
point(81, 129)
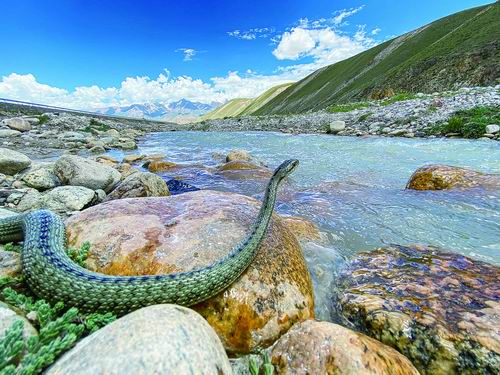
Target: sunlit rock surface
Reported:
point(442, 310)
point(143, 236)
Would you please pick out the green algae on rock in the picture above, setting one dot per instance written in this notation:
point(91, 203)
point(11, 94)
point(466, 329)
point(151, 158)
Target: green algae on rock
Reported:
point(441, 310)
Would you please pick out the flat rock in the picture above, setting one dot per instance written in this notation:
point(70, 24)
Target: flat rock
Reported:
point(12, 162)
point(41, 177)
point(192, 230)
point(140, 184)
point(8, 133)
point(441, 310)
point(160, 339)
point(78, 171)
point(313, 347)
point(60, 199)
point(442, 177)
point(17, 123)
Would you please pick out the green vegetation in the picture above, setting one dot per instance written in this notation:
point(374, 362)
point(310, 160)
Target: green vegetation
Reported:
point(469, 123)
point(364, 116)
point(43, 119)
point(95, 125)
point(462, 47)
point(398, 98)
point(79, 256)
point(266, 368)
point(347, 107)
point(58, 330)
point(12, 247)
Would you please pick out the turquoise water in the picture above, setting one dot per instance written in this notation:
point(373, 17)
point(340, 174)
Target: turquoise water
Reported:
point(353, 189)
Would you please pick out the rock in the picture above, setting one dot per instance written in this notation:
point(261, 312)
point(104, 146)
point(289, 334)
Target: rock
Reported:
point(303, 229)
point(73, 137)
point(140, 184)
point(10, 263)
point(313, 347)
point(337, 126)
point(193, 230)
point(239, 169)
point(61, 199)
point(12, 162)
point(155, 157)
point(126, 144)
point(125, 170)
point(8, 317)
point(160, 339)
point(492, 129)
point(78, 171)
point(106, 160)
point(41, 177)
point(17, 123)
point(8, 133)
point(130, 159)
point(97, 150)
point(112, 133)
point(398, 132)
point(160, 166)
point(441, 177)
point(440, 309)
point(239, 155)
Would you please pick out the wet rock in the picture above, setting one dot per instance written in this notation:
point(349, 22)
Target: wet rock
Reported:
point(60, 199)
point(441, 310)
point(140, 184)
point(8, 133)
point(303, 229)
point(41, 177)
point(78, 171)
point(131, 159)
point(313, 347)
point(441, 177)
point(12, 162)
point(492, 129)
point(17, 123)
point(193, 230)
point(244, 170)
point(160, 339)
point(239, 155)
point(160, 166)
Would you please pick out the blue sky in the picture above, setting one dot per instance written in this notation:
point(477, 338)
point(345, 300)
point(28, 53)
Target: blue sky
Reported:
point(88, 54)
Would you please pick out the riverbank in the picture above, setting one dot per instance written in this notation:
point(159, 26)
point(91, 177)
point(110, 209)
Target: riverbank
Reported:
point(398, 116)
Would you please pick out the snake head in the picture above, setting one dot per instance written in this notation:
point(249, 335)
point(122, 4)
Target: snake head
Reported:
point(286, 168)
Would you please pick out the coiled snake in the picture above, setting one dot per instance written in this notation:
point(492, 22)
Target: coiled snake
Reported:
point(52, 275)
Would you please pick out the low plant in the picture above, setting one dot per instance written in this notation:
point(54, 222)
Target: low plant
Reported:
point(266, 368)
point(95, 125)
point(398, 98)
point(79, 256)
point(364, 116)
point(42, 119)
point(338, 108)
point(12, 247)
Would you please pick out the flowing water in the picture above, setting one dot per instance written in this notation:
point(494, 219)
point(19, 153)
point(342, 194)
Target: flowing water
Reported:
point(354, 190)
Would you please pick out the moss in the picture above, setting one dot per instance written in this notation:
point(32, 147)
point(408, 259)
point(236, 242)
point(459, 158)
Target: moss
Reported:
point(12, 247)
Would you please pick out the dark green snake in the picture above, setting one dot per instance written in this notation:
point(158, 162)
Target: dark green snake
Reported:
point(52, 275)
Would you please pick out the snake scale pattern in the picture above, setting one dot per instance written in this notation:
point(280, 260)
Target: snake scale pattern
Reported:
point(52, 275)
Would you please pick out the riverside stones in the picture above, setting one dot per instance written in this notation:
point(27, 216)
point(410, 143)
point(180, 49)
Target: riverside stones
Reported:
point(78, 171)
point(441, 177)
point(17, 123)
point(7, 133)
point(492, 129)
point(140, 184)
point(441, 310)
point(12, 162)
point(60, 199)
point(337, 126)
point(193, 230)
point(160, 339)
point(313, 347)
point(41, 177)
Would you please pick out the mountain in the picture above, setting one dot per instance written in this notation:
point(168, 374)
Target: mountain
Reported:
point(459, 50)
point(243, 107)
point(179, 111)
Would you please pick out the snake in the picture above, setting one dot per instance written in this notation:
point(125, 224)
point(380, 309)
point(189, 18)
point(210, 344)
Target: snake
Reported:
point(52, 275)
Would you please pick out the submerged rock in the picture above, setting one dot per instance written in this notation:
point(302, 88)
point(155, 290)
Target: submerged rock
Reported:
point(239, 169)
point(160, 339)
point(140, 184)
point(12, 162)
point(441, 177)
point(188, 231)
point(313, 347)
point(441, 310)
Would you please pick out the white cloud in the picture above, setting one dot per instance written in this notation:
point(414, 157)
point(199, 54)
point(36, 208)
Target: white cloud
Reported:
point(251, 34)
point(340, 15)
point(189, 53)
point(376, 31)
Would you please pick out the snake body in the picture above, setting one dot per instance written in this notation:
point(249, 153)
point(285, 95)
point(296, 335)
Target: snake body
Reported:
point(52, 275)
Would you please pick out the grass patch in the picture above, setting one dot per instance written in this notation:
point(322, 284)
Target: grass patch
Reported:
point(468, 123)
point(364, 116)
point(42, 119)
point(338, 108)
point(95, 125)
point(398, 98)
point(12, 247)
point(79, 256)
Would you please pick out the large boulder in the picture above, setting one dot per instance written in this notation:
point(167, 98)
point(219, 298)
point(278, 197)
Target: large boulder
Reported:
point(17, 123)
point(41, 177)
point(12, 162)
point(160, 339)
point(239, 169)
point(60, 199)
point(140, 184)
point(8, 133)
point(78, 171)
point(337, 126)
point(315, 347)
point(188, 231)
point(441, 310)
point(441, 177)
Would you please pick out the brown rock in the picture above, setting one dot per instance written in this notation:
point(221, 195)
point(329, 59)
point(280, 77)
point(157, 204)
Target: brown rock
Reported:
point(240, 155)
point(106, 160)
point(303, 229)
point(126, 170)
point(313, 347)
point(192, 230)
point(161, 166)
point(244, 170)
point(10, 263)
point(131, 159)
point(441, 177)
point(441, 310)
point(139, 184)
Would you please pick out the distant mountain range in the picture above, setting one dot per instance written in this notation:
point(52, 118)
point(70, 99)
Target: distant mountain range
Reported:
point(180, 111)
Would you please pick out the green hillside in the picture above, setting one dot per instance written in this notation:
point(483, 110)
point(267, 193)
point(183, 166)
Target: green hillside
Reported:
point(243, 107)
point(462, 49)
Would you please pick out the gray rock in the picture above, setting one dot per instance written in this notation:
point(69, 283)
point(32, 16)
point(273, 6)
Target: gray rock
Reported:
point(8, 133)
point(17, 123)
point(41, 177)
point(492, 129)
point(60, 199)
point(78, 171)
point(10, 263)
point(112, 133)
point(97, 150)
point(12, 162)
point(8, 317)
point(140, 184)
point(159, 339)
point(73, 137)
point(337, 126)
